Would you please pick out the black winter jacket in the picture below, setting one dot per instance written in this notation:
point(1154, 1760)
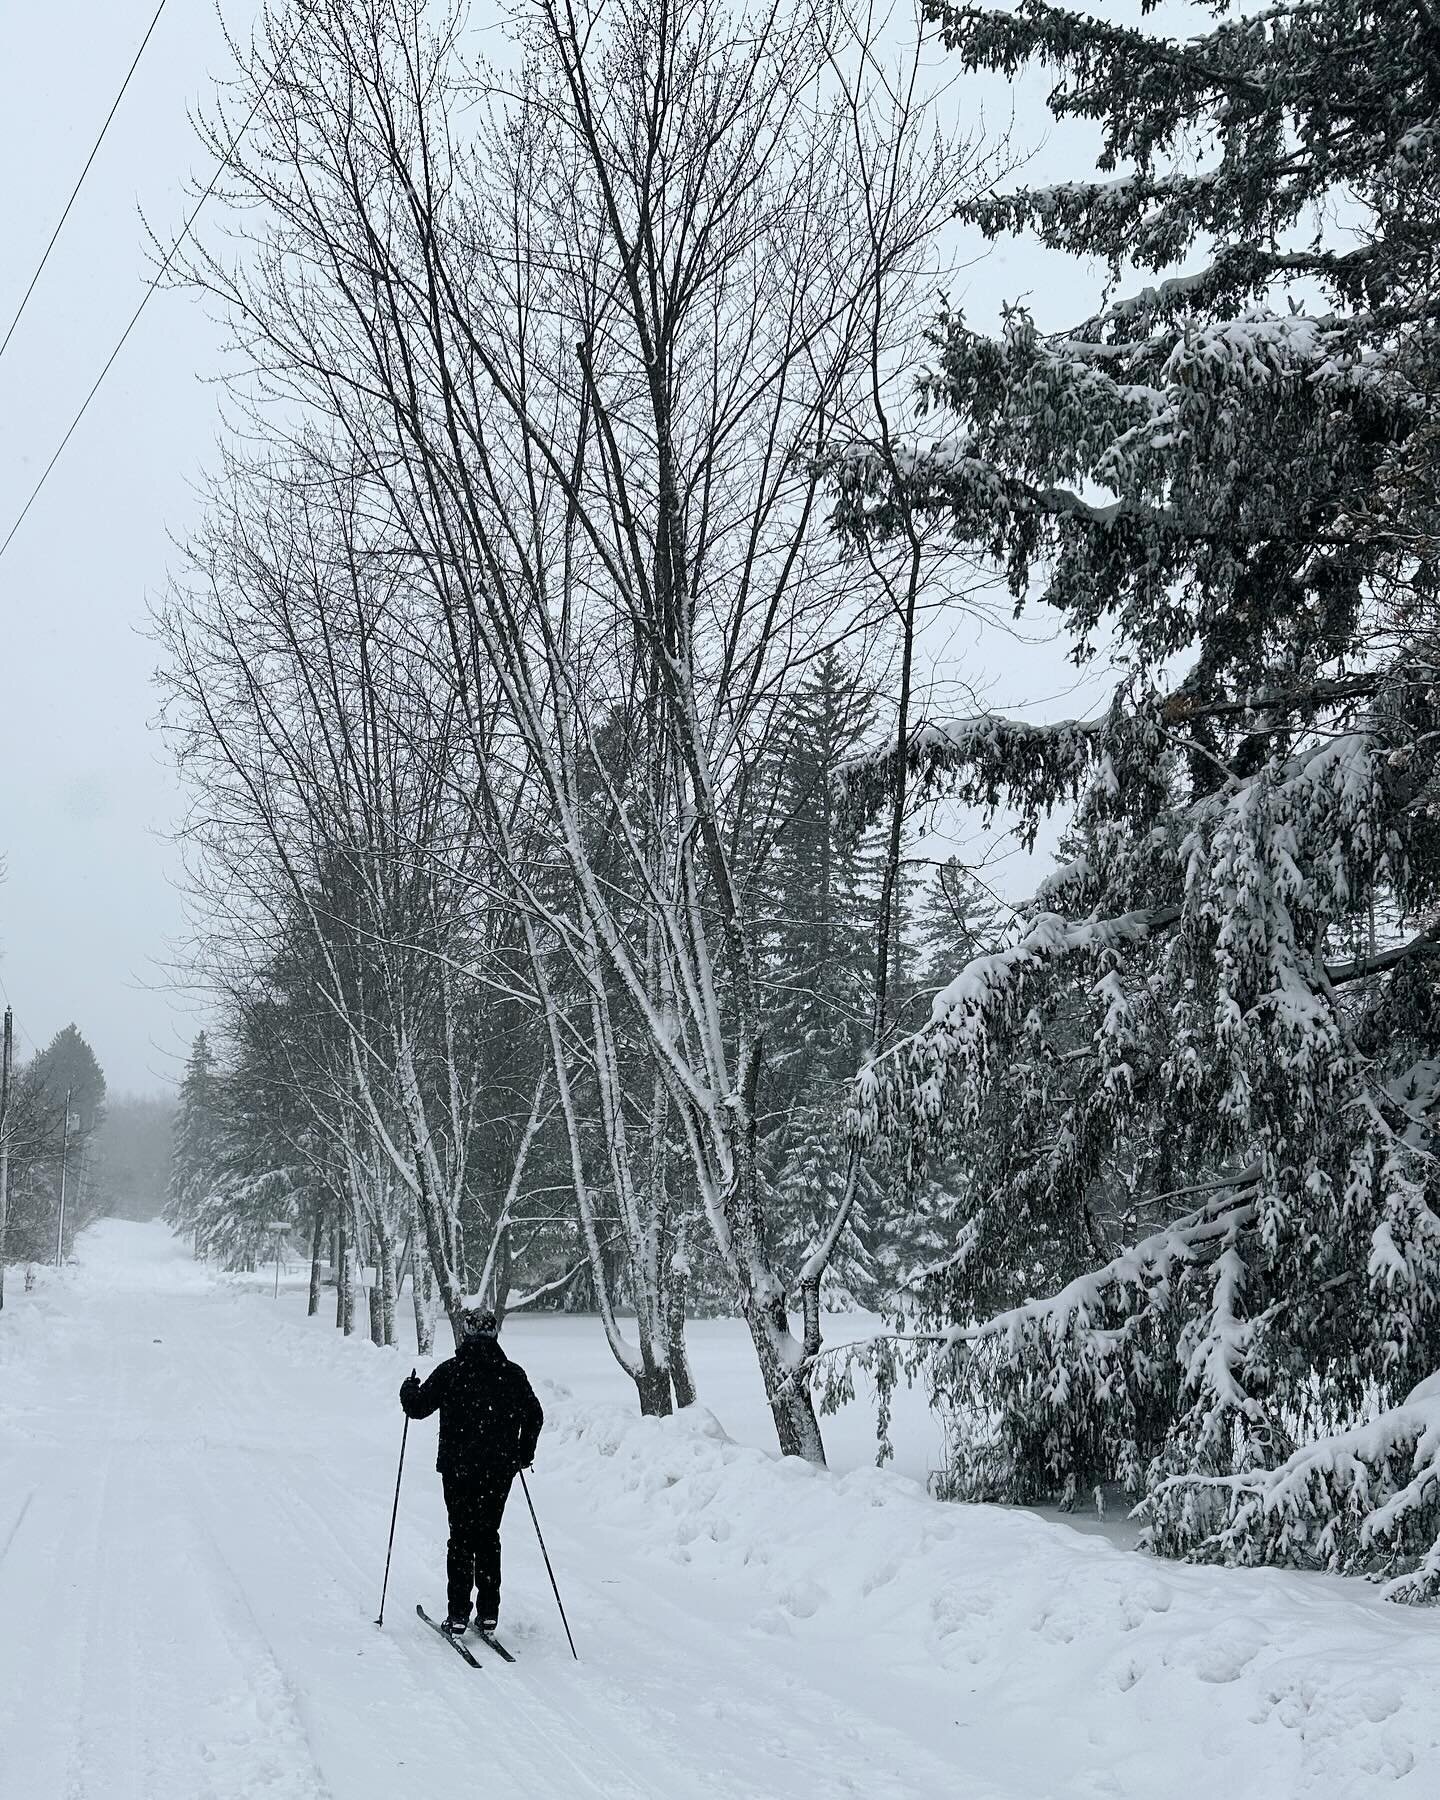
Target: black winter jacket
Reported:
point(489, 1417)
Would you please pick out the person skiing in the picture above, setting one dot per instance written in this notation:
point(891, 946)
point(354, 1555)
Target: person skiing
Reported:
point(490, 1423)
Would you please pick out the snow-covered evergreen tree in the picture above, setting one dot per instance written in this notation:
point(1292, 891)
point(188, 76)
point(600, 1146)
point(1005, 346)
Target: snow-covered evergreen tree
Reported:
point(65, 1069)
point(1208, 1063)
point(238, 1163)
point(817, 908)
point(956, 917)
point(194, 1137)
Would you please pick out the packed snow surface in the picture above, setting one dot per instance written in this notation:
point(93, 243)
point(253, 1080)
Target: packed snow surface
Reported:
point(195, 1486)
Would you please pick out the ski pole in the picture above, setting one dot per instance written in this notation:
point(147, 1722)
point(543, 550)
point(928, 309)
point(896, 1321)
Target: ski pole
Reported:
point(548, 1570)
point(394, 1514)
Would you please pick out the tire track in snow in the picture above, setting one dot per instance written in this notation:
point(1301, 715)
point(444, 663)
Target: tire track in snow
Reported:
point(584, 1706)
point(44, 1663)
point(80, 1762)
point(15, 1528)
point(277, 1699)
point(115, 1711)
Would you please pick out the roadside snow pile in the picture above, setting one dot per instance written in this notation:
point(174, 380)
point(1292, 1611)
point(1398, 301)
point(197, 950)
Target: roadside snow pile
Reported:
point(1069, 1667)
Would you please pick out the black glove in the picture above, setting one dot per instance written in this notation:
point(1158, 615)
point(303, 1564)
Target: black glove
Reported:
point(409, 1389)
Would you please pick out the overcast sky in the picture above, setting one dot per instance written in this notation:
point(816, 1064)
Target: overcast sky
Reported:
point(89, 911)
point(87, 907)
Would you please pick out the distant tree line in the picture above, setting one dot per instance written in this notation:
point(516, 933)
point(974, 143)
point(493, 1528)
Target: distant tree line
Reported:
point(115, 1153)
point(39, 1143)
point(133, 1148)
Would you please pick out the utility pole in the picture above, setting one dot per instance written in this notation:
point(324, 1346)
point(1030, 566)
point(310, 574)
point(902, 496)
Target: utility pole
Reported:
point(7, 1057)
point(64, 1153)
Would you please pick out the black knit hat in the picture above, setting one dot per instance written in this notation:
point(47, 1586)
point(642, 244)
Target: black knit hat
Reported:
point(478, 1321)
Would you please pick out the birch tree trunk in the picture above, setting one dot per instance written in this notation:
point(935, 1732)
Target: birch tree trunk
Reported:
point(779, 1352)
point(680, 1371)
point(317, 1240)
point(422, 1295)
point(347, 1303)
point(387, 1287)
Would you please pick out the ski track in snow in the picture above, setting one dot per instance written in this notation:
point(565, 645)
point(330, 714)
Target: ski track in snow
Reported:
point(195, 1487)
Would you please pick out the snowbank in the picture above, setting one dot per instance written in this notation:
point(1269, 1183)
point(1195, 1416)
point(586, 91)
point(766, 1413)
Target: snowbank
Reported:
point(1066, 1667)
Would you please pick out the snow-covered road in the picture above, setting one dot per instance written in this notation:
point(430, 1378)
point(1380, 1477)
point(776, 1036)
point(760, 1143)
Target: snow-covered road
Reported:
point(194, 1492)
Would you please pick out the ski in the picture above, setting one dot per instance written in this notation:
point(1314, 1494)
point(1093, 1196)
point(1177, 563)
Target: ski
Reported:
point(488, 1637)
point(456, 1644)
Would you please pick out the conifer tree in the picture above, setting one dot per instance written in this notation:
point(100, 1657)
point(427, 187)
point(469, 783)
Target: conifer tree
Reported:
point(956, 918)
point(67, 1066)
point(817, 908)
point(41, 1141)
point(1209, 1061)
point(194, 1145)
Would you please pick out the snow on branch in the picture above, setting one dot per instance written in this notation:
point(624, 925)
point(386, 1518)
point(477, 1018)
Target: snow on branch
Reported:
point(981, 760)
point(1362, 1501)
point(1147, 1266)
point(986, 758)
point(910, 1085)
point(1070, 1388)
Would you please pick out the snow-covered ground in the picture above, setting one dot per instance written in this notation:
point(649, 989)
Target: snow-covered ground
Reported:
point(195, 1484)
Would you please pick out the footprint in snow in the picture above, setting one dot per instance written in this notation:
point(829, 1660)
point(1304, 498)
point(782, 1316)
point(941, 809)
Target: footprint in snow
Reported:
point(803, 1599)
point(1228, 1651)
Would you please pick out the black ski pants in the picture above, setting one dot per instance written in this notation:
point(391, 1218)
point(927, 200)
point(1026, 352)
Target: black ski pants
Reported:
point(475, 1502)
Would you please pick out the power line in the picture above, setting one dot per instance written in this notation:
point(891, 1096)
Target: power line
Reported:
point(145, 299)
point(95, 148)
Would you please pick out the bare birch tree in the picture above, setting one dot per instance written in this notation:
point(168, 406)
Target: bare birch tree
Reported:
point(588, 362)
point(325, 810)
